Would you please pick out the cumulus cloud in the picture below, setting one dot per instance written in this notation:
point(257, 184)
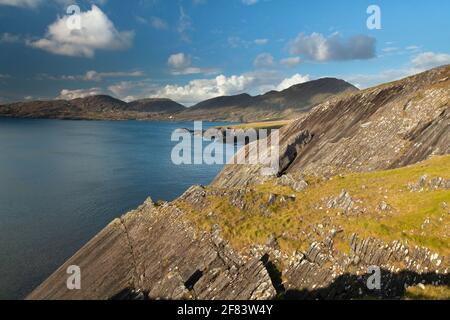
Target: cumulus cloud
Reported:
point(202, 89)
point(295, 79)
point(181, 64)
point(67, 94)
point(256, 82)
point(97, 33)
point(317, 47)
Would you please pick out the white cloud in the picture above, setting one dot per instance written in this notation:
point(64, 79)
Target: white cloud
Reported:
point(179, 61)
point(291, 61)
point(181, 64)
point(317, 47)
point(264, 60)
point(202, 89)
point(97, 33)
point(428, 60)
point(295, 79)
point(67, 94)
point(256, 82)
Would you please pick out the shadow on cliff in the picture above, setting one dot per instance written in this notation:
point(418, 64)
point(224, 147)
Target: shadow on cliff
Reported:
point(345, 287)
point(350, 286)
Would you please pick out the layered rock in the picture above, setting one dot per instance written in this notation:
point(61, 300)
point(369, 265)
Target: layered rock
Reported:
point(389, 126)
point(155, 252)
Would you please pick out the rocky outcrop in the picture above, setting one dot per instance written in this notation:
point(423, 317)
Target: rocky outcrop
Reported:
point(389, 126)
point(329, 274)
point(154, 253)
point(426, 184)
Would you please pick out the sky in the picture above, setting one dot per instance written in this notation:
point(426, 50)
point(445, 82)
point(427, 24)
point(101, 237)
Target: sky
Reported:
point(192, 50)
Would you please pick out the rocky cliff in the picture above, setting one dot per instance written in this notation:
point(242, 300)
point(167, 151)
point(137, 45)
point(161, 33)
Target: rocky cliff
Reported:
point(363, 183)
point(388, 126)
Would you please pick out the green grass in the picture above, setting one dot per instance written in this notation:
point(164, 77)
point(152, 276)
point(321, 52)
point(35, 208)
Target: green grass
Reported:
point(259, 125)
point(293, 222)
point(428, 293)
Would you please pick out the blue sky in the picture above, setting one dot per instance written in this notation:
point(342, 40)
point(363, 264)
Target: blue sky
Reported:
point(191, 50)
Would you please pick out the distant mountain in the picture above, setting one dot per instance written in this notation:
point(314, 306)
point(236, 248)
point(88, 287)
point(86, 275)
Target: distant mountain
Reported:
point(163, 106)
point(272, 105)
point(99, 107)
point(288, 103)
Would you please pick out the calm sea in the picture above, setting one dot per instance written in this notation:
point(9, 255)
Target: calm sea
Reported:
point(63, 181)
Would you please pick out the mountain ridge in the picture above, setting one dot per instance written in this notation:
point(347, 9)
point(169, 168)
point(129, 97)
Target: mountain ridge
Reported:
point(241, 107)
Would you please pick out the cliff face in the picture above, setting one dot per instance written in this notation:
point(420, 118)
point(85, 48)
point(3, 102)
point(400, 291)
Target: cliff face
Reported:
point(154, 251)
point(343, 201)
point(388, 126)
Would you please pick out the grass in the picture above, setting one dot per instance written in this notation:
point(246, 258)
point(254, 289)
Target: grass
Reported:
point(428, 293)
point(296, 224)
point(271, 125)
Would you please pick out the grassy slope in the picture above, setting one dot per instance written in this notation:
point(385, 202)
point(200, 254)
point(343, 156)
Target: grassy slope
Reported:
point(293, 223)
point(259, 125)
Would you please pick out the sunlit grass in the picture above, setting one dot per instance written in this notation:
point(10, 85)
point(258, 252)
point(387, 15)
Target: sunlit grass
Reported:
point(292, 222)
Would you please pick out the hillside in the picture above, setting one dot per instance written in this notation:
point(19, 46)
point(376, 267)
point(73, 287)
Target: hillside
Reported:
point(156, 106)
point(240, 108)
point(285, 104)
point(100, 107)
point(388, 126)
point(363, 182)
